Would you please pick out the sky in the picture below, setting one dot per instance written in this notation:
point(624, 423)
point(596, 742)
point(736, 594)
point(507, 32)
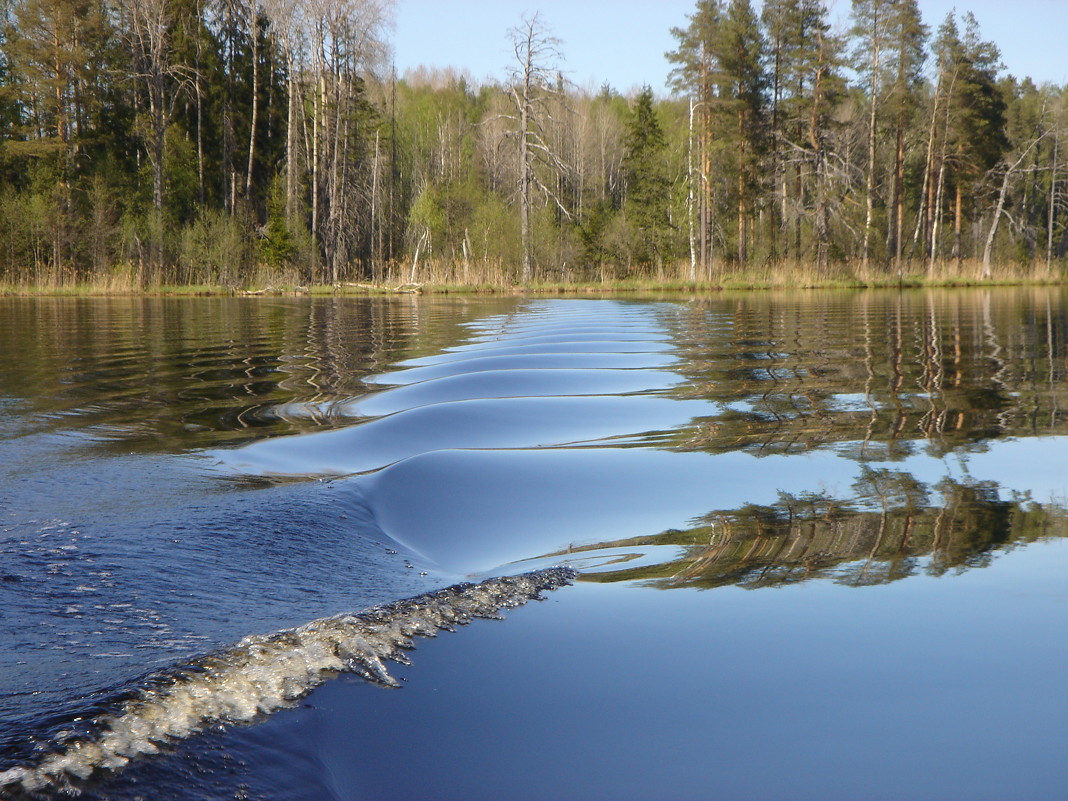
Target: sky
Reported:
point(622, 42)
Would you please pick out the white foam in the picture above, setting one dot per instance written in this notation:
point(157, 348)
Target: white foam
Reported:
point(263, 673)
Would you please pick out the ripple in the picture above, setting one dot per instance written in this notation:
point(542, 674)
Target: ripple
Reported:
point(501, 423)
point(592, 361)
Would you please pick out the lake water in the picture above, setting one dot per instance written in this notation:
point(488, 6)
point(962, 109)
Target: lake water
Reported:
point(819, 543)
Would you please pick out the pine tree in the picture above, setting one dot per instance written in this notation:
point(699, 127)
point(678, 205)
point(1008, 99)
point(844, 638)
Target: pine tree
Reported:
point(975, 138)
point(870, 31)
point(905, 56)
point(8, 108)
point(782, 27)
point(822, 87)
point(55, 47)
point(741, 53)
point(697, 76)
point(647, 185)
point(721, 60)
point(808, 86)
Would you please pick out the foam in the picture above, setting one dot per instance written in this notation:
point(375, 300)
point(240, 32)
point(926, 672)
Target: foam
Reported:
point(263, 673)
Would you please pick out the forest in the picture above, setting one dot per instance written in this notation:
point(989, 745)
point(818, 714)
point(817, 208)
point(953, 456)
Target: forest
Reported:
point(270, 143)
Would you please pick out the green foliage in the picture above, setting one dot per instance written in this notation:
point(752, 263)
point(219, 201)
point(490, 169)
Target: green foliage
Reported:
point(593, 235)
point(277, 247)
point(180, 177)
point(721, 58)
point(262, 158)
point(648, 189)
point(494, 231)
point(978, 105)
point(697, 67)
point(214, 249)
point(100, 212)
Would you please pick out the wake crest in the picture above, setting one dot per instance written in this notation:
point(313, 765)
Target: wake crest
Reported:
point(263, 673)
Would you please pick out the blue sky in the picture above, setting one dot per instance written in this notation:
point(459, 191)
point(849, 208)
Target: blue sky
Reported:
point(623, 41)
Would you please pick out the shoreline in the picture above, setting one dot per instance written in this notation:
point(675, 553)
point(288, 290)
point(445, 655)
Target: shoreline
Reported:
point(546, 288)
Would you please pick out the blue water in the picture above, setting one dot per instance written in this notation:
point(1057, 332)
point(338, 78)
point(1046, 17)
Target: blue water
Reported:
point(856, 502)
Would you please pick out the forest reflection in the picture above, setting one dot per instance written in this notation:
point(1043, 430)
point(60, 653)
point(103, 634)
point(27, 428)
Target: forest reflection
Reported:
point(174, 374)
point(876, 374)
point(892, 527)
point(875, 378)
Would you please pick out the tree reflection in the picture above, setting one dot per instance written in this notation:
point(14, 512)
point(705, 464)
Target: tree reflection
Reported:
point(875, 373)
point(172, 374)
point(891, 527)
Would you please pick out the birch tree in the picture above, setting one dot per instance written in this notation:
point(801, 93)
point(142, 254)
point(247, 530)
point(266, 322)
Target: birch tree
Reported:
point(163, 81)
point(346, 44)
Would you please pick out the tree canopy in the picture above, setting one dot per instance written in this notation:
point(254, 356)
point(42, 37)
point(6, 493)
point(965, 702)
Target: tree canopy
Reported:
point(241, 142)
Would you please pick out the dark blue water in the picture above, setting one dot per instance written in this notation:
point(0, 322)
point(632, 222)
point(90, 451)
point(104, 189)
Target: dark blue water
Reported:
point(857, 501)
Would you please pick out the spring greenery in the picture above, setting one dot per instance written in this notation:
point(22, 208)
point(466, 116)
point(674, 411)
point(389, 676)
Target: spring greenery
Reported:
point(240, 143)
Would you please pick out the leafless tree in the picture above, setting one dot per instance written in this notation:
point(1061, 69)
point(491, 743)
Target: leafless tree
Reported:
point(535, 84)
point(331, 48)
point(149, 23)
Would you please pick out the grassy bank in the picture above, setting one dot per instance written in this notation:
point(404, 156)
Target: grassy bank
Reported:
point(435, 278)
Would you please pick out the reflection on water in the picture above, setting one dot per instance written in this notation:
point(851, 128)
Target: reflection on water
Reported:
point(809, 441)
point(881, 374)
point(182, 373)
point(883, 381)
point(811, 536)
point(912, 411)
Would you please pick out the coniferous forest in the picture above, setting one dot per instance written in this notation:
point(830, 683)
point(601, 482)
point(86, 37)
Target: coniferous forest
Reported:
point(243, 143)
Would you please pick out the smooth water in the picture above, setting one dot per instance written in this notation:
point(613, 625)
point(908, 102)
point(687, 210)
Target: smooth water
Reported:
point(199, 496)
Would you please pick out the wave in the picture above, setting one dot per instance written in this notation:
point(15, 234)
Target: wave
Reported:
point(262, 674)
point(529, 361)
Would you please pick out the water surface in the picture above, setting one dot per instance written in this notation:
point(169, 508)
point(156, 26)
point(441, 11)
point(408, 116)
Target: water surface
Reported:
point(856, 498)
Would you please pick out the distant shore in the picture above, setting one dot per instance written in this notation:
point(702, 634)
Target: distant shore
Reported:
point(444, 282)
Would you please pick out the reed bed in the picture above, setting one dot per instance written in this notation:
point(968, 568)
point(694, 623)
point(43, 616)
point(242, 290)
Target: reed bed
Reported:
point(445, 276)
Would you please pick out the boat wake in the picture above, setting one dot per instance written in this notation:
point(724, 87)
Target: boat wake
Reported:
point(261, 674)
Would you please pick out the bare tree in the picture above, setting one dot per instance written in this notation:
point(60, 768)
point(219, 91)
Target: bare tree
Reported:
point(1008, 172)
point(535, 84)
point(149, 23)
point(331, 48)
point(254, 19)
point(288, 25)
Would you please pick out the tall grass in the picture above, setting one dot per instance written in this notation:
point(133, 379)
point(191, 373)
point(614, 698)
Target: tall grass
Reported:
point(678, 276)
point(206, 269)
point(119, 280)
